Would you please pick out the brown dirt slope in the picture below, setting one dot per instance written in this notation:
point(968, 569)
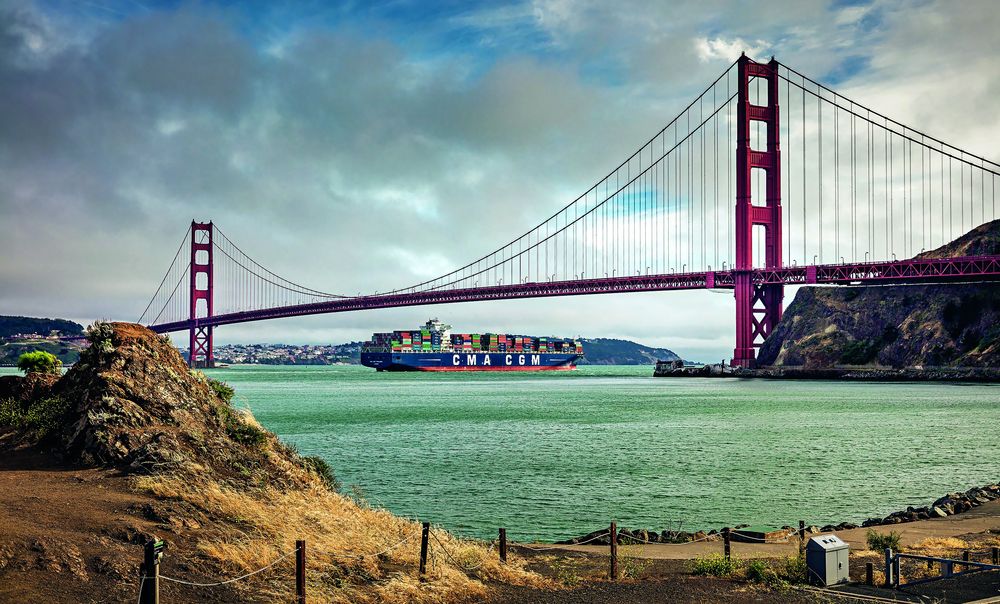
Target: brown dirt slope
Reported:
point(897, 326)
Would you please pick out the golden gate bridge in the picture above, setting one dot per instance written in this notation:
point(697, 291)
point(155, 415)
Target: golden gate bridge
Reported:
point(711, 201)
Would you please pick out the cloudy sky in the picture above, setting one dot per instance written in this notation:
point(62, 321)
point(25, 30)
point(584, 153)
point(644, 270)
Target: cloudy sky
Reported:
point(320, 135)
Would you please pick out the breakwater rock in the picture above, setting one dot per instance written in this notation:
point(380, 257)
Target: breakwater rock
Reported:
point(860, 374)
point(948, 505)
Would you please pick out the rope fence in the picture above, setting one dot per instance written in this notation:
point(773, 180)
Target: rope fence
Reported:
point(153, 554)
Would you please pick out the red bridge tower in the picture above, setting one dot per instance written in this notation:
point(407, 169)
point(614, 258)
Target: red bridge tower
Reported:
point(758, 307)
point(202, 281)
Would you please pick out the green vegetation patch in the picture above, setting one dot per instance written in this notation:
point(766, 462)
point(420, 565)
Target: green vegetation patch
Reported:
point(222, 390)
point(39, 418)
point(318, 465)
point(39, 361)
point(716, 565)
point(880, 541)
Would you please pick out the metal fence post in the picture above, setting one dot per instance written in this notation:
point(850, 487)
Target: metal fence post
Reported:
point(503, 545)
point(613, 540)
point(423, 550)
point(300, 571)
point(152, 553)
point(888, 567)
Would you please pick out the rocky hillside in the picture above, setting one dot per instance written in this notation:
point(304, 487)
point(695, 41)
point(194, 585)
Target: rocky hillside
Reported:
point(896, 326)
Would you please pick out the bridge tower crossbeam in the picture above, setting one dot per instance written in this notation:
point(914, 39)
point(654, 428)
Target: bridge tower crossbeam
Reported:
point(758, 307)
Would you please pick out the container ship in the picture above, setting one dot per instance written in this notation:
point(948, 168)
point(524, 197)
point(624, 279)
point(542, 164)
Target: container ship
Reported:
point(433, 347)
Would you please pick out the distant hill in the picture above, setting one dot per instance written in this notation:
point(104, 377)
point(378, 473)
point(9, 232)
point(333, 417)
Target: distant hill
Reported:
point(10, 326)
point(897, 326)
point(37, 332)
point(607, 351)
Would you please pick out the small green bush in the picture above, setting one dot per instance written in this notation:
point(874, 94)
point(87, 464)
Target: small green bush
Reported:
point(222, 389)
point(246, 434)
point(715, 565)
point(10, 413)
point(99, 335)
point(39, 361)
point(322, 469)
point(795, 570)
point(40, 418)
point(879, 541)
point(759, 571)
point(239, 429)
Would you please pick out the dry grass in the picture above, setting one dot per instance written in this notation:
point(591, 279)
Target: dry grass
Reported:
point(340, 538)
point(935, 545)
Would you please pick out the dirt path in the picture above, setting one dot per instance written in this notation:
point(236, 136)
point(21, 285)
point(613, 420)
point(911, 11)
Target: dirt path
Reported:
point(976, 520)
point(74, 535)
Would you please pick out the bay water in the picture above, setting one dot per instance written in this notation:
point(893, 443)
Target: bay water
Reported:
point(551, 455)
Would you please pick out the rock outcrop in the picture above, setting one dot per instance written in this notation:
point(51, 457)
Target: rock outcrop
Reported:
point(132, 403)
point(898, 326)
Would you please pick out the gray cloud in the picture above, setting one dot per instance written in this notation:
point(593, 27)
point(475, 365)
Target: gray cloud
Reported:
point(355, 161)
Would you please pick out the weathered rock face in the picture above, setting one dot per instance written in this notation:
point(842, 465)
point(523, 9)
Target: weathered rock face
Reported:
point(30, 387)
point(897, 326)
point(132, 403)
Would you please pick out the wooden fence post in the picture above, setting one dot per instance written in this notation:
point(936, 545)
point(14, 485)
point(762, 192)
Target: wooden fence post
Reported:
point(802, 537)
point(966, 556)
point(888, 567)
point(424, 534)
point(152, 553)
point(870, 574)
point(503, 545)
point(300, 571)
point(726, 545)
point(995, 555)
point(613, 540)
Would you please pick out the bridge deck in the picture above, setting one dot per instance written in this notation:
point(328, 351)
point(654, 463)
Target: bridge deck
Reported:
point(931, 270)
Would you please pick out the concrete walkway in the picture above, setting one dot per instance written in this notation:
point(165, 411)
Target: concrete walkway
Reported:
point(976, 520)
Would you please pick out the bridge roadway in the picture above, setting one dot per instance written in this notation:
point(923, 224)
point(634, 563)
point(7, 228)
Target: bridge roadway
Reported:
point(913, 271)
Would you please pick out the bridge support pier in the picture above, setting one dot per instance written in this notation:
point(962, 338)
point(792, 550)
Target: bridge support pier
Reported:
point(201, 289)
point(758, 307)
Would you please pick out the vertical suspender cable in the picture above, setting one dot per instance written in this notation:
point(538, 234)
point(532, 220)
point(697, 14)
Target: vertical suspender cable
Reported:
point(819, 111)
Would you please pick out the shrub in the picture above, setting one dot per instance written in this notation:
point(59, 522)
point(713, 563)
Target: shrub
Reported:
point(632, 566)
point(99, 335)
point(40, 418)
point(39, 361)
point(715, 565)
point(242, 429)
point(759, 571)
point(795, 570)
point(879, 541)
point(222, 389)
point(317, 464)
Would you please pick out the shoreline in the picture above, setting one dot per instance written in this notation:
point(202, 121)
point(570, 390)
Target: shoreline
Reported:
point(986, 375)
point(949, 505)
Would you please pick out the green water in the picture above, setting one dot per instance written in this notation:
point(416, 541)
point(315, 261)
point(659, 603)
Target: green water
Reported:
point(557, 454)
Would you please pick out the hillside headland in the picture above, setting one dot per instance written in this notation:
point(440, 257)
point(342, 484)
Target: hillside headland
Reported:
point(885, 333)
